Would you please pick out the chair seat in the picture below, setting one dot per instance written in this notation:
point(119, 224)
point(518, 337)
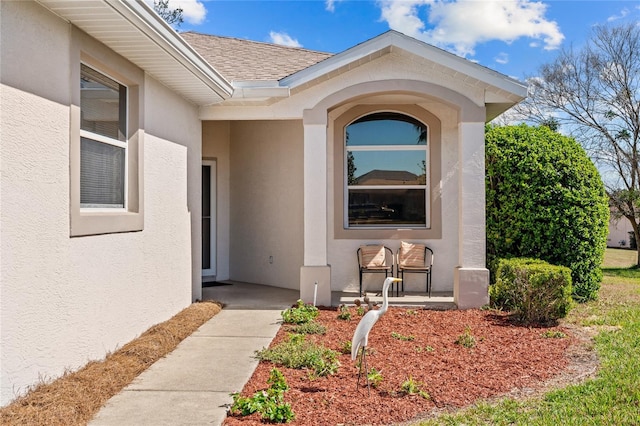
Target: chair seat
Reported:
point(414, 268)
point(376, 268)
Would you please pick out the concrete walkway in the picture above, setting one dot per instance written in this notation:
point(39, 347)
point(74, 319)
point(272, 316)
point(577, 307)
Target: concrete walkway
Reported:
point(191, 386)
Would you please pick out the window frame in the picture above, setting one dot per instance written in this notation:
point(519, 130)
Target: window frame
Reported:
point(388, 148)
point(85, 221)
point(97, 137)
point(339, 122)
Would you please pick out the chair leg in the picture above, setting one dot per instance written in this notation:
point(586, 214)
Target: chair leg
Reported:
point(429, 283)
point(360, 294)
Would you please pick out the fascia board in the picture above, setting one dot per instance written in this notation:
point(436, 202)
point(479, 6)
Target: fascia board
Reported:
point(149, 23)
point(148, 26)
point(381, 44)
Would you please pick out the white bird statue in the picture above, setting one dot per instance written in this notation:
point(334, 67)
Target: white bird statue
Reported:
point(361, 335)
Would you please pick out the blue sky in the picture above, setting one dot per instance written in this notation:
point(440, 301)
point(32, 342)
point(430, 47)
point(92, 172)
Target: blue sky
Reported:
point(513, 37)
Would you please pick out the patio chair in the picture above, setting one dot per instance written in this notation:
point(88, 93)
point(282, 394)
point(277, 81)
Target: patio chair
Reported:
point(374, 259)
point(414, 258)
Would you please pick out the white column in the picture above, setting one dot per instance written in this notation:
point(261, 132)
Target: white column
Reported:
point(315, 195)
point(315, 274)
point(471, 278)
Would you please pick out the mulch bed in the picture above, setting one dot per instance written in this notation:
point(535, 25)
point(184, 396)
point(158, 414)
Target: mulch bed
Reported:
point(506, 358)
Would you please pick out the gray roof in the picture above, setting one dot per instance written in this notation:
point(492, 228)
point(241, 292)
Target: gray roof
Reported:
point(246, 60)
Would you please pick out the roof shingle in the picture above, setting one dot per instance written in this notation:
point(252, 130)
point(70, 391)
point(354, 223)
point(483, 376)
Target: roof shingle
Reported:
point(246, 60)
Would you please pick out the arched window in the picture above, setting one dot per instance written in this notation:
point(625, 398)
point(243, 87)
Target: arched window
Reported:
point(386, 172)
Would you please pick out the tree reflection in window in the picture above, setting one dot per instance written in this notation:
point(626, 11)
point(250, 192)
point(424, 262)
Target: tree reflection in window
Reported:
point(386, 171)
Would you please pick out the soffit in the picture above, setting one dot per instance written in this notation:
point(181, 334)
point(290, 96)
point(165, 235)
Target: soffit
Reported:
point(137, 33)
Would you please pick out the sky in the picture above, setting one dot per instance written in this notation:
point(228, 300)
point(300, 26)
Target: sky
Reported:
point(513, 37)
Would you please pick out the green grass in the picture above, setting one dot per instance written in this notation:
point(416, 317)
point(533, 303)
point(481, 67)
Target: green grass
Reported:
point(613, 396)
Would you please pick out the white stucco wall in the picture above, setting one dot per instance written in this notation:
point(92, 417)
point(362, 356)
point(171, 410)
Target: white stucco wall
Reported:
point(215, 146)
point(65, 301)
point(266, 202)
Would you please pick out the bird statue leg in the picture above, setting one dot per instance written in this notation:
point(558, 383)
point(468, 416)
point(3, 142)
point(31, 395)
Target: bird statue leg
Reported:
point(363, 360)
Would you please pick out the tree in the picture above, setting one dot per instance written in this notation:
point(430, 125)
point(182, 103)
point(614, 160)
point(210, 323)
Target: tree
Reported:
point(171, 16)
point(594, 94)
point(545, 200)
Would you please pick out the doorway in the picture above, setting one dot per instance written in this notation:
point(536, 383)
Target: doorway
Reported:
point(208, 220)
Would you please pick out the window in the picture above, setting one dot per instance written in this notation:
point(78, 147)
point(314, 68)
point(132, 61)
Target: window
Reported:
point(386, 172)
point(103, 146)
point(106, 140)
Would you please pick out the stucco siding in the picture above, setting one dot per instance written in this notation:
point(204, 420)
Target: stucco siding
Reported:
point(216, 146)
point(67, 300)
point(266, 202)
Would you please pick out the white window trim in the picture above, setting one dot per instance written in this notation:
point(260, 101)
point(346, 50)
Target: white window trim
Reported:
point(86, 221)
point(364, 148)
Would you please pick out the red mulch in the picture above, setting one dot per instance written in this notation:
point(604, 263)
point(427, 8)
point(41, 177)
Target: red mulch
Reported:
point(506, 357)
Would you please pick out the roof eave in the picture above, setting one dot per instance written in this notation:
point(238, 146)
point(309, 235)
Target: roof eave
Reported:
point(195, 79)
point(510, 90)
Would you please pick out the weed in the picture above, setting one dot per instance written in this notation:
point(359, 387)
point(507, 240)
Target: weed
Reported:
point(269, 403)
point(346, 347)
point(310, 327)
point(300, 313)
point(411, 312)
point(553, 334)
point(375, 377)
point(427, 348)
point(466, 339)
point(399, 336)
point(413, 387)
point(360, 310)
point(299, 353)
point(343, 312)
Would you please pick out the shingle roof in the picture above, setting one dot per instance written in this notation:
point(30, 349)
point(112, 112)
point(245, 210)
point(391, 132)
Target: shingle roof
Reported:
point(245, 60)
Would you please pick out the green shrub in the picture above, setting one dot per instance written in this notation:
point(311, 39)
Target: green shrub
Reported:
point(310, 327)
point(300, 353)
point(545, 200)
point(300, 313)
point(535, 291)
point(269, 403)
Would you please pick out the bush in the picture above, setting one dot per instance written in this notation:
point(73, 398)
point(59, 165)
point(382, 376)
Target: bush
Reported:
point(535, 291)
point(300, 313)
point(545, 200)
point(300, 353)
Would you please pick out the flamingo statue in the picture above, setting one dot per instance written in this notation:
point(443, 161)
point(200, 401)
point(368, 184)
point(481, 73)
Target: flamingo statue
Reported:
point(361, 335)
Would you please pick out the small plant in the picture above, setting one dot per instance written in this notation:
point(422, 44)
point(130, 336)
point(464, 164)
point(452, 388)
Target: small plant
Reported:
point(553, 334)
point(466, 339)
point(360, 310)
point(343, 312)
point(310, 327)
point(411, 312)
point(346, 347)
point(299, 353)
point(427, 348)
point(269, 403)
point(299, 314)
point(399, 336)
point(375, 377)
point(413, 387)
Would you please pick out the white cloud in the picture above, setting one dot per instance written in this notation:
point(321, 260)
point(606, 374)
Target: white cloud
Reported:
point(461, 25)
point(502, 58)
point(330, 5)
point(193, 11)
point(623, 13)
point(283, 39)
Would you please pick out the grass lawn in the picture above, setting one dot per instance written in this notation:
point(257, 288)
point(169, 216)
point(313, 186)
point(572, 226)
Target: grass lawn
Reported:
point(613, 396)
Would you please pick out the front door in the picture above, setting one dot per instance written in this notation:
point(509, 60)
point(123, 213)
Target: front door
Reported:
point(208, 220)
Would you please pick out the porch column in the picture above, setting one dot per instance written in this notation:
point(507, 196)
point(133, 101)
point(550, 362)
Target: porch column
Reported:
point(471, 277)
point(315, 274)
